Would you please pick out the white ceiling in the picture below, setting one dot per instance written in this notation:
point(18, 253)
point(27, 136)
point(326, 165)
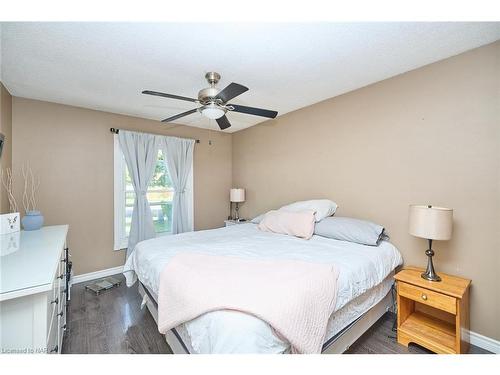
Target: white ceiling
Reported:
point(105, 66)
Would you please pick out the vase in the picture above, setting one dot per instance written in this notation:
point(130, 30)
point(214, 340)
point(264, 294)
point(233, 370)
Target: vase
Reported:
point(33, 220)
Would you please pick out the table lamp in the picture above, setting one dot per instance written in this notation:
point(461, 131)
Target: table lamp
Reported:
point(237, 195)
point(431, 223)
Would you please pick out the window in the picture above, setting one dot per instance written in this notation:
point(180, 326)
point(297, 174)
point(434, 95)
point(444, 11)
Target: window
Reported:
point(160, 194)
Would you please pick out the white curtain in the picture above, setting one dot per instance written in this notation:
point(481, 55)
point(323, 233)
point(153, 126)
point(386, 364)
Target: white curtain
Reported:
point(141, 153)
point(179, 158)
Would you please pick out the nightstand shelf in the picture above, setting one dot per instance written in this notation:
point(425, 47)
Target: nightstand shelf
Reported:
point(438, 335)
point(434, 315)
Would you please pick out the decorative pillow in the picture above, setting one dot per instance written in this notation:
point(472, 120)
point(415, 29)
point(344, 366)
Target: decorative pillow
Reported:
point(349, 229)
point(322, 207)
point(298, 224)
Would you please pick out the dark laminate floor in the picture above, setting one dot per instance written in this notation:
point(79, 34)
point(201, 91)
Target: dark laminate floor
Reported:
point(114, 323)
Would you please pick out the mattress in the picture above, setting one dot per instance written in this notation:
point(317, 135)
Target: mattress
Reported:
point(361, 268)
point(337, 323)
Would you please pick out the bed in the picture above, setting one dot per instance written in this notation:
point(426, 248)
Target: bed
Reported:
point(364, 285)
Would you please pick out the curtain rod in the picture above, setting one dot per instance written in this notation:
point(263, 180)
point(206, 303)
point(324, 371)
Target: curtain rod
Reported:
point(116, 131)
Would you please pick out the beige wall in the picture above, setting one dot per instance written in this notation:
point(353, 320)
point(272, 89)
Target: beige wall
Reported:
point(428, 136)
point(72, 150)
point(6, 130)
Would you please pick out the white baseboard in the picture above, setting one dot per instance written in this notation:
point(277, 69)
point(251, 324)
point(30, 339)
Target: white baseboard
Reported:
point(96, 275)
point(485, 342)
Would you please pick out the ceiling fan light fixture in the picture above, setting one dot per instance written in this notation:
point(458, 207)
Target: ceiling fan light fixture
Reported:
point(215, 103)
point(213, 111)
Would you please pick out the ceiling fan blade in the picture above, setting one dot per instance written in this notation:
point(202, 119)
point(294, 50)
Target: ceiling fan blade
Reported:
point(231, 91)
point(223, 122)
point(156, 93)
point(254, 111)
point(180, 115)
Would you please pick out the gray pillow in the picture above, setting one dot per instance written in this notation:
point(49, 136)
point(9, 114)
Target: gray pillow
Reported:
point(349, 229)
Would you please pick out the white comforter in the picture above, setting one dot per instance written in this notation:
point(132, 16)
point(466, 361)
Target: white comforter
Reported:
point(360, 269)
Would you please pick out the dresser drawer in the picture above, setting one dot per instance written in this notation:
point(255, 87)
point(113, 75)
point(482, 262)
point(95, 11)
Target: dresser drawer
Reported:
point(53, 299)
point(428, 297)
point(62, 262)
point(52, 306)
point(62, 303)
point(61, 328)
point(55, 286)
point(60, 274)
point(52, 344)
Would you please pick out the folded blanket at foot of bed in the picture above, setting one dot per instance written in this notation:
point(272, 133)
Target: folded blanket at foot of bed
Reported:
point(295, 298)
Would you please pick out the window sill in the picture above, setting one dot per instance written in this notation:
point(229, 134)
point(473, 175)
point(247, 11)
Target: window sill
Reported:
point(121, 245)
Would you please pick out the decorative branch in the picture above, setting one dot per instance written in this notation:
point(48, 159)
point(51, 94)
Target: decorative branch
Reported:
point(34, 188)
point(35, 192)
point(7, 181)
point(26, 201)
point(30, 188)
point(12, 198)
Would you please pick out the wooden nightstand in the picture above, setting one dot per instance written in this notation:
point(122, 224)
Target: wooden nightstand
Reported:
point(434, 315)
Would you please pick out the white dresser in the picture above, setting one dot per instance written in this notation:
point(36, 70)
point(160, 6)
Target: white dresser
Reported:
point(33, 292)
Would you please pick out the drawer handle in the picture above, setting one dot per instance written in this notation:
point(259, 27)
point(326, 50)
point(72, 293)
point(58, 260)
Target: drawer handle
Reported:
point(55, 350)
point(56, 301)
point(60, 276)
point(60, 314)
point(424, 297)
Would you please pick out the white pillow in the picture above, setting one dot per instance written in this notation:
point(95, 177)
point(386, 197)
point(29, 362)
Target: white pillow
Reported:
point(322, 207)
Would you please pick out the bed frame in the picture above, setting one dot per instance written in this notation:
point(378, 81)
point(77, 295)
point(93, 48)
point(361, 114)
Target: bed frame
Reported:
point(338, 344)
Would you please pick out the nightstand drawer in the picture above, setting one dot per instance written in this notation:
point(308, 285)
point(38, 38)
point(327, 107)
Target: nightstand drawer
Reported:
point(428, 297)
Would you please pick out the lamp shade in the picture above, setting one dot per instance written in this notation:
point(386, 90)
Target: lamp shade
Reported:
point(432, 223)
point(237, 195)
point(212, 111)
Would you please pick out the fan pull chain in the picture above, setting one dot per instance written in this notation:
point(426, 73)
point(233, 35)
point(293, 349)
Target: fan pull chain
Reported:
point(210, 131)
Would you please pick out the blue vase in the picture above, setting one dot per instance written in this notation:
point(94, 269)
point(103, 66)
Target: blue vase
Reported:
point(33, 220)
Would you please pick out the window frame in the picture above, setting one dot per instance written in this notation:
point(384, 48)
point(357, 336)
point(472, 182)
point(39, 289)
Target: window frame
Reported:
point(120, 237)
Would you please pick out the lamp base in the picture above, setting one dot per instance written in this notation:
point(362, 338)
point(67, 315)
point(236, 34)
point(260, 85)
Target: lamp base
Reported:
point(430, 277)
point(429, 273)
point(237, 218)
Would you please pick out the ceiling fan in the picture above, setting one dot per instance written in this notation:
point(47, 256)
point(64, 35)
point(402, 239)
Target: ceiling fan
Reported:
point(214, 102)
